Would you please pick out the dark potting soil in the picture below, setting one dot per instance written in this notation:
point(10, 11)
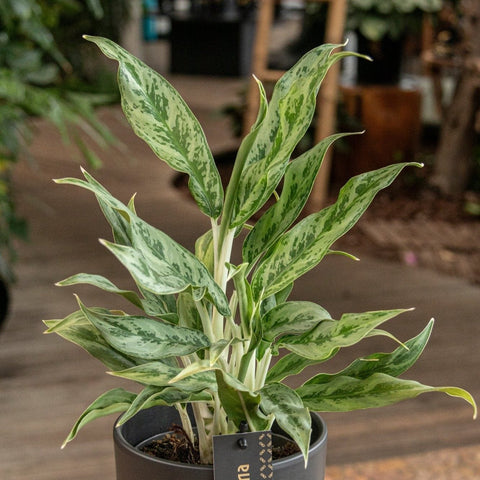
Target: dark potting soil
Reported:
point(177, 447)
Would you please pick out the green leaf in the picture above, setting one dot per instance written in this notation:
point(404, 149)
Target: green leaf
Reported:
point(145, 338)
point(188, 315)
point(297, 186)
point(290, 413)
point(159, 116)
point(161, 375)
point(113, 401)
point(157, 247)
point(159, 264)
point(244, 295)
point(393, 364)
point(152, 396)
point(102, 283)
point(344, 394)
point(321, 341)
point(291, 364)
point(240, 403)
point(193, 369)
point(292, 318)
point(289, 114)
point(204, 250)
point(77, 329)
point(163, 306)
point(116, 213)
point(304, 246)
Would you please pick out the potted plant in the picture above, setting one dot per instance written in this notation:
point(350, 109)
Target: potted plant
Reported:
point(208, 330)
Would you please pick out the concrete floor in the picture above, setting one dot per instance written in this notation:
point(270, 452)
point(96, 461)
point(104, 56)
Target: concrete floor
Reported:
point(46, 382)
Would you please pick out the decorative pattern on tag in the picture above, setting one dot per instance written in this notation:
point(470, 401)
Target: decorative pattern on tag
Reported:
point(265, 453)
point(243, 456)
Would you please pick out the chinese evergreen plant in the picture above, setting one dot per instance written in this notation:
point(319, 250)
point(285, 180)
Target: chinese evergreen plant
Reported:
point(209, 329)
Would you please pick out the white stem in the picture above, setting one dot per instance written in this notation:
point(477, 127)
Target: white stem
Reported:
point(204, 440)
point(220, 276)
point(262, 370)
point(206, 322)
point(186, 423)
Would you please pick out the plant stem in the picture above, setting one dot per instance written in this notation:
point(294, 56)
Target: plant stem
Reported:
point(220, 276)
point(204, 440)
point(245, 365)
point(262, 370)
point(206, 323)
point(186, 423)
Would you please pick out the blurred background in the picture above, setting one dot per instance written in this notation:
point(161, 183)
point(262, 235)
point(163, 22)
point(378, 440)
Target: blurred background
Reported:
point(59, 107)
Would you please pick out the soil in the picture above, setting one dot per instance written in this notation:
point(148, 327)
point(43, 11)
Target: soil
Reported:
point(177, 447)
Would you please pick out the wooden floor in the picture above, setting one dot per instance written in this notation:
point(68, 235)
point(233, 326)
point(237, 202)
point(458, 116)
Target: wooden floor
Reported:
point(46, 382)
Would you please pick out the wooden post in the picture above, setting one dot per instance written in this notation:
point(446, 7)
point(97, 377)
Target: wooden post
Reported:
point(327, 103)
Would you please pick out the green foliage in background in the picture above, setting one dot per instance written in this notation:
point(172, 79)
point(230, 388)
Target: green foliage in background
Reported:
point(375, 19)
point(34, 82)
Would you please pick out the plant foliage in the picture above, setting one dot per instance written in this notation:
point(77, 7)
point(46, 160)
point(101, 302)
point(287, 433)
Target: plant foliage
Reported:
point(32, 84)
point(209, 329)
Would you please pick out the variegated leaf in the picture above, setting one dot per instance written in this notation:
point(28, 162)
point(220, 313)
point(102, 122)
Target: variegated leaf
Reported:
point(393, 364)
point(175, 262)
point(156, 262)
point(303, 247)
point(86, 336)
point(244, 295)
point(102, 283)
point(109, 205)
point(159, 116)
point(161, 306)
point(204, 250)
point(193, 369)
point(114, 401)
point(145, 338)
point(343, 394)
point(297, 186)
point(159, 374)
point(321, 341)
point(290, 413)
point(291, 364)
point(152, 396)
point(292, 318)
point(240, 403)
point(289, 114)
point(74, 318)
point(188, 315)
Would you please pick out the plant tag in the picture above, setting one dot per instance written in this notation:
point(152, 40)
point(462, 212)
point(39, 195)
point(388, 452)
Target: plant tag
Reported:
point(243, 456)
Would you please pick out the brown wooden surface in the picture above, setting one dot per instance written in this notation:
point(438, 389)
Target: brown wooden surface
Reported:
point(45, 382)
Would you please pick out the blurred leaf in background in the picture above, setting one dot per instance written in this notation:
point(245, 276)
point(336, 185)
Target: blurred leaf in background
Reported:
point(39, 53)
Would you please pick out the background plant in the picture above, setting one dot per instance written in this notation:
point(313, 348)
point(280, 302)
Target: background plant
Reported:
point(376, 19)
point(209, 329)
point(36, 80)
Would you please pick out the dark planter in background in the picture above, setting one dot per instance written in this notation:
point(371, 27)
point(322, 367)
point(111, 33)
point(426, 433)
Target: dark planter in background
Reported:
point(131, 464)
point(387, 61)
point(4, 301)
point(211, 44)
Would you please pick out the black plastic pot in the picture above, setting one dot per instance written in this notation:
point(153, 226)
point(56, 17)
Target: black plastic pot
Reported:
point(132, 464)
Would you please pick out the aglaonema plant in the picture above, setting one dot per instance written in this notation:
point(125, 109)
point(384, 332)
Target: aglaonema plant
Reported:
point(208, 329)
